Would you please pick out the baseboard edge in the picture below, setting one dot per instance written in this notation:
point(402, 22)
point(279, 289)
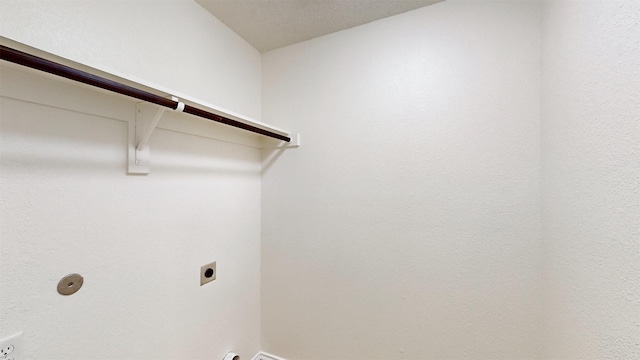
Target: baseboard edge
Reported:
point(266, 356)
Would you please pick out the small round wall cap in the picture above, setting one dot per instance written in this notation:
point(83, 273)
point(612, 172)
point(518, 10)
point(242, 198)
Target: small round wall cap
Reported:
point(69, 284)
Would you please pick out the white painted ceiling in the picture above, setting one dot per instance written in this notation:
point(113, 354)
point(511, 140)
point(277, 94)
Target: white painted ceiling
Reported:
point(270, 24)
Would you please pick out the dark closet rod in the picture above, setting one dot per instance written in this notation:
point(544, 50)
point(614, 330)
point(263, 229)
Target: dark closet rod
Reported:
point(51, 67)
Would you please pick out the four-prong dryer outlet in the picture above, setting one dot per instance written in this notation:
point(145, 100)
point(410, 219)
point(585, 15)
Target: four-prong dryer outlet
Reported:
point(11, 348)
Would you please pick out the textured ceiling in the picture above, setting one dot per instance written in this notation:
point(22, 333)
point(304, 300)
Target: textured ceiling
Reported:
point(270, 24)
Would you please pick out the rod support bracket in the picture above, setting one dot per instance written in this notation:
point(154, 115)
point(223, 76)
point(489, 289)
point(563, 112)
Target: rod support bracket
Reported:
point(295, 141)
point(180, 106)
point(140, 130)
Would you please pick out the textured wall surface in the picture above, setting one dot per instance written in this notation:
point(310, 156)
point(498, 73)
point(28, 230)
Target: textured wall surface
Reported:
point(406, 226)
point(67, 205)
point(591, 177)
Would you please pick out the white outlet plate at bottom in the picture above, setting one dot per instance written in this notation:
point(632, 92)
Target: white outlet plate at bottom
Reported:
point(11, 348)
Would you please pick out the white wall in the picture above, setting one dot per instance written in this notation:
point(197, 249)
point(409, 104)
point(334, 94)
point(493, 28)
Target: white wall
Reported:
point(407, 225)
point(66, 204)
point(174, 43)
point(590, 173)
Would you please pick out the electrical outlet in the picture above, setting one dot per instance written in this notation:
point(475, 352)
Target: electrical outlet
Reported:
point(11, 348)
point(207, 274)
